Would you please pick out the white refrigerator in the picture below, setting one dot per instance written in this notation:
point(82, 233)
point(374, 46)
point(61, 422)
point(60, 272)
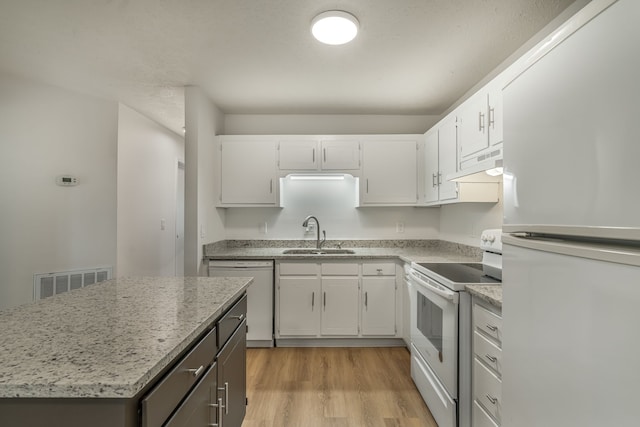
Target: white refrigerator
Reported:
point(571, 244)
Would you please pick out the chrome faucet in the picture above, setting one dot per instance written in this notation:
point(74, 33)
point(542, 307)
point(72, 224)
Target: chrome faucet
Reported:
point(319, 243)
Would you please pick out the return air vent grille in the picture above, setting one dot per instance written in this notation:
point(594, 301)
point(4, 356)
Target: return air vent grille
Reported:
point(49, 284)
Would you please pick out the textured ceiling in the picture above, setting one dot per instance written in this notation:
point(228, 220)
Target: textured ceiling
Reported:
point(258, 56)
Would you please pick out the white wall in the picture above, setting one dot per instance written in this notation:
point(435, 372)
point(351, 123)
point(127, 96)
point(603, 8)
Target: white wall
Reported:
point(464, 222)
point(333, 203)
point(147, 165)
point(46, 131)
point(204, 223)
point(326, 124)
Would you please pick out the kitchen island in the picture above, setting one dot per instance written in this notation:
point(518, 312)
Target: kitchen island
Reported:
point(95, 352)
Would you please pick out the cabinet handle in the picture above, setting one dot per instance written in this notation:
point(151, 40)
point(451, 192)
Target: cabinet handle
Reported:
point(271, 186)
point(480, 121)
point(492, 117)
point(219, 406)
point(324, 300)
point(313, 300)
point(226, 397)
point(366, 300)
point(439, 178)
point(491, 358)
point(324, 154)
point(196, 372)
point(379, 270)
point(492, 328)
point(433, 180)
point(240, 318)
point(367, 185)
point(492, 399)
point(313, 156)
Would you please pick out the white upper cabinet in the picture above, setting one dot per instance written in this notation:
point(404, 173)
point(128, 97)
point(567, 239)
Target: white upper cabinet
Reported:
point(298, 155)
point(389, 171)
point(480, 117)
point(316, 154)
point(447, 159)
point(340, 155)
point(438, 160)
point(247, 172)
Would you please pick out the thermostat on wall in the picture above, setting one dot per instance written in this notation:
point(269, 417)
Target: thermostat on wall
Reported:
point(66, 180)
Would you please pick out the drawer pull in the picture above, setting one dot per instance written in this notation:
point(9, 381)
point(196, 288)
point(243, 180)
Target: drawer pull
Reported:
point(491, 358)
point(492, 328)
point(196, 372)
point(379, 270)
point(239, 318)
point(492, 399)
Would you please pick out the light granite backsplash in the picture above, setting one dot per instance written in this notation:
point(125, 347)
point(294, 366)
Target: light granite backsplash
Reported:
point(400, 244)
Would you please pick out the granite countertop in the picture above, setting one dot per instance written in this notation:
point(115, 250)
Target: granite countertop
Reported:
point(489, 293)
point(107, 340)
point(405, 250)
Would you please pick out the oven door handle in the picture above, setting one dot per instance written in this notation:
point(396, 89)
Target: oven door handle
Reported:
point(444, 293)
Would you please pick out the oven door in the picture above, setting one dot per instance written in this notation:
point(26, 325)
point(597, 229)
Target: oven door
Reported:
point(434, 328)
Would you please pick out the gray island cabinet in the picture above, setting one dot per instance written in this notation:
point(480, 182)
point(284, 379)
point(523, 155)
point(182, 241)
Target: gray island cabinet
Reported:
point(127, 352)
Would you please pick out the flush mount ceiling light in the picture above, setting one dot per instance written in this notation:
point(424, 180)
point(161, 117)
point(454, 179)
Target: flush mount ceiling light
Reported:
point(334, 27)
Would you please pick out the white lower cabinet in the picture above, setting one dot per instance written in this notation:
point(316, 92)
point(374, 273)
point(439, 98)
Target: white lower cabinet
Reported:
point(336, 300)
point(299, 302)
point(339, 298)
point(487, 364)
point(379, 293)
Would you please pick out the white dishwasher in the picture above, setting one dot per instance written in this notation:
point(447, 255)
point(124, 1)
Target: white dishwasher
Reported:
point(259, 296)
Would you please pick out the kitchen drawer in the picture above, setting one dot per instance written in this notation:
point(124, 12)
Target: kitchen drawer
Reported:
point(231, 320)
point(481, 418)
point(488, 352)
point(196, 409)
point(487, 389)
point(487, 322)
point(379, 269)
point(166, 395)
point(298, 268)
point(339, 269)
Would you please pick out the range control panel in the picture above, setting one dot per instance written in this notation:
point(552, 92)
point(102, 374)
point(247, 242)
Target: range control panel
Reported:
point(491, 240)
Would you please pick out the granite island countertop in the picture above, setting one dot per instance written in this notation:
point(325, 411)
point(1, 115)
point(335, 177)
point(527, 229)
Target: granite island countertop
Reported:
point(404, 250)
point(107, 340)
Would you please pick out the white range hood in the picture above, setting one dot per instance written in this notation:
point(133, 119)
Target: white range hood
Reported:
point(488, 171)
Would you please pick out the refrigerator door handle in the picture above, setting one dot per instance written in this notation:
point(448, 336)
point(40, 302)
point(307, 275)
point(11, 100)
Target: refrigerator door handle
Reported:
point(605, 251)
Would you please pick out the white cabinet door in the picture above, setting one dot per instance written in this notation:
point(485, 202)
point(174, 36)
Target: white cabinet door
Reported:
point(247, 172)
point(340, 306)
point(298, 155)
point(340, 155)
point(431, 171)
point(495, 124)
point(473, 125)
point(299, 306)
point(389, 174)
point(379, 305)
point(447, 146)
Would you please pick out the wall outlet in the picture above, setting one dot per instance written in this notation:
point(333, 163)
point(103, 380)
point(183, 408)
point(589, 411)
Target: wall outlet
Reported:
point(399, 227)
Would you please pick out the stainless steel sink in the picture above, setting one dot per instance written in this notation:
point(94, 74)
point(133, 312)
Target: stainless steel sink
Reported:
point(310, 251)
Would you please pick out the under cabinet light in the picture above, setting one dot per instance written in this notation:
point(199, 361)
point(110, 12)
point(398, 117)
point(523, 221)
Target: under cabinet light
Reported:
point(317, 177)
point(494, 172)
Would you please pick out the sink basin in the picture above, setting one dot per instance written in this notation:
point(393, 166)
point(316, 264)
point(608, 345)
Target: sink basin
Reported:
point(309, 251)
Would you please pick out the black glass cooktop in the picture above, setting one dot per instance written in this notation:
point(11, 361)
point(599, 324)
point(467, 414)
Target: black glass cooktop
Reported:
point(459, 273)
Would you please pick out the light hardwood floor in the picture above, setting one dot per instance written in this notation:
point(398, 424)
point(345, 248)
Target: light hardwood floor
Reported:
point(332, 387)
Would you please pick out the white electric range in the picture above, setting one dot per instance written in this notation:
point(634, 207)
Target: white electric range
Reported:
point(441, 329)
